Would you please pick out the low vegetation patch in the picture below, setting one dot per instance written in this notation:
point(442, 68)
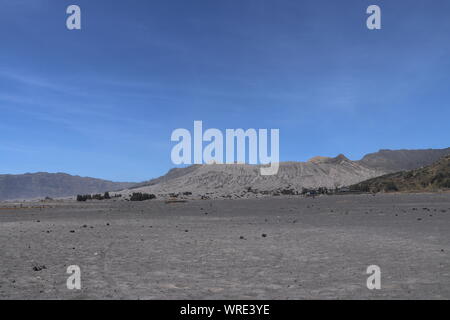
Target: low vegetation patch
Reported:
point(105, 196)
point(139, 196)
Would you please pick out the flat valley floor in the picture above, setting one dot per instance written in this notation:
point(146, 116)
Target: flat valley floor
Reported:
point(273, 248)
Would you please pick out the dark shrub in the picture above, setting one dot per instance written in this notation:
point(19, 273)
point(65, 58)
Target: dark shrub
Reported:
point(363, 187)
point(390, 186)
point(322, 190)
point(84, 197)
point(138, 196)
point(446, 183)
point(288, 192)
point(97, 197)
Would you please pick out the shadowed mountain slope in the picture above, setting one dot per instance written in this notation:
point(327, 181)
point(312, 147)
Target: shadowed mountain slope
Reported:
point(431, 178)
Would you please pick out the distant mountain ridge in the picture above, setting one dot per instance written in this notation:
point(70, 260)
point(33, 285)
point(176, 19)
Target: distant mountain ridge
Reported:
point(43, 184)
point(222, 180)
point(399, 160)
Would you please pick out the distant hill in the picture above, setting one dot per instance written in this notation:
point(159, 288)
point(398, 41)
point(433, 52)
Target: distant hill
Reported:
point(431, 178)
point(399, 160)
point(235, 180)
point(229, 180)
point(225, 180)
point(35, 185)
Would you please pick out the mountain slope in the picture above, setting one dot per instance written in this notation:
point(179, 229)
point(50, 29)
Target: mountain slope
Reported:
point(431, 178)
point(218, 180)
point(221, 180)
point(26, 186)
point(172, 174)
point(399, 160)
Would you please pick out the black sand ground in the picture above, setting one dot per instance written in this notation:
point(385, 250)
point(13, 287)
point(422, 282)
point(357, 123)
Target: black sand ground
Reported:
point(278, 248)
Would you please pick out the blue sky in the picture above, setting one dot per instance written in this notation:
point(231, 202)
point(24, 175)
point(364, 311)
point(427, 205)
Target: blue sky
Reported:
point(104, 101)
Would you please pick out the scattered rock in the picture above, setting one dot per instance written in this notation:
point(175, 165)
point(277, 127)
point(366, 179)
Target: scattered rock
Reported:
point(39, 267)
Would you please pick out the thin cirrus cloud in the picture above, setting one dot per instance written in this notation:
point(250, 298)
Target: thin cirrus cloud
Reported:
point(140, 69)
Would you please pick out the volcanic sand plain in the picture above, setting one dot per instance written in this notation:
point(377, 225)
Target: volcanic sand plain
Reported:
point(273, 248)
